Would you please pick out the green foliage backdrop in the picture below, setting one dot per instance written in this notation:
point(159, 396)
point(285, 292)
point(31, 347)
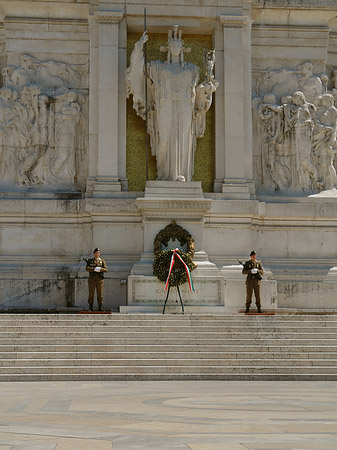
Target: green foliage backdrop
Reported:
point(135, 134)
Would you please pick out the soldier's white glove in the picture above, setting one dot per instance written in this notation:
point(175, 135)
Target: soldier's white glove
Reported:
point(254, 271)
point(97, 269)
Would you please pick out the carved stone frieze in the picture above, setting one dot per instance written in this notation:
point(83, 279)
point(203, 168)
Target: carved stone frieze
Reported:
point(42, 125)
point(108, 17)
point(295, 131)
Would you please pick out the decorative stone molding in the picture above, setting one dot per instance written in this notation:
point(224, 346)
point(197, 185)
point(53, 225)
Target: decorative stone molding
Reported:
point(163, 208)
point(232, 21)
point(290, 28)
point(44, 20)
point(107, 17)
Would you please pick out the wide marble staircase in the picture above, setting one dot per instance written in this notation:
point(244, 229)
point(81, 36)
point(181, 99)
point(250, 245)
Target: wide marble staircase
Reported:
point(58, 347)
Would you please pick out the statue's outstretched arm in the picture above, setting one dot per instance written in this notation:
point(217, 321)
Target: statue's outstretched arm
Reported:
point(135, 77)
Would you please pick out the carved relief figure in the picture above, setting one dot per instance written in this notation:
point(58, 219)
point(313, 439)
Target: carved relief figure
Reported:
point(67, 115)
point(8, 123)
point(40, 119)
point(334, 85)
point(296, 138)
point(271, 116)
point(287, 81)
point(177, 105)
point(325, 141)
point(299, 117)
point(309, 84)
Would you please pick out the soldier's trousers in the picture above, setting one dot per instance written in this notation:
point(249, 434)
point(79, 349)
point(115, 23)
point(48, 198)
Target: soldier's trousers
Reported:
point(253, 285)
point(95, 283)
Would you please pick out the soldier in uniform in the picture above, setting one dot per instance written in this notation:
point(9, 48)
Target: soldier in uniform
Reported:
point(254, 271)
point(96, 268)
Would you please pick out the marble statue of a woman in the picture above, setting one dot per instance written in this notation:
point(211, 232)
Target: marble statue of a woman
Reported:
point(176, 105)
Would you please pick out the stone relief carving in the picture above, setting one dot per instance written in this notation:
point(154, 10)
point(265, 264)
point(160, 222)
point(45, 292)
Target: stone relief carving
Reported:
point(42, 125)
point(177, 104)
point(295, 122)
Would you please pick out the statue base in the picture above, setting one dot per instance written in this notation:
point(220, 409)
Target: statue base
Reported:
point(105, 187)
point(147, 294)
point(183, 202)
point(173, 189)
point(235, 189)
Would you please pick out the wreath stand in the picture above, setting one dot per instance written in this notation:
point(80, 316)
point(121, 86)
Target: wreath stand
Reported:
point(166, 257)
point(181, 300)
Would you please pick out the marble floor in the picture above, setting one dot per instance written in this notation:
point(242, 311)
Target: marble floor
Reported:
point(194, 415)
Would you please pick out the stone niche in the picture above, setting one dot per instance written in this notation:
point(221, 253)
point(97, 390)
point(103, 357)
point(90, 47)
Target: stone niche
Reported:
point(204, 161)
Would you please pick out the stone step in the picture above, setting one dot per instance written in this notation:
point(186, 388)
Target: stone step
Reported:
point(165, 347)
point(172, 340)
point(184, 335)
point(247, 328)
point(186, 362)
point(131, 376)
point(169, 329)
point(160, 319)
point(78, 327)
point(136, 346)
point(284, 313)
point(166, 319)
point(167, 355)
point(169, 369)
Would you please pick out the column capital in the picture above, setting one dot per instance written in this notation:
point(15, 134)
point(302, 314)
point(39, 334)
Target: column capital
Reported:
point(231, 21)
point(108, 17)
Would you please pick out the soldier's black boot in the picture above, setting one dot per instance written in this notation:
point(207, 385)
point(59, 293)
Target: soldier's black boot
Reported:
point(247, 309)
point(100, 308)
point(259, 309)
point(90, 308)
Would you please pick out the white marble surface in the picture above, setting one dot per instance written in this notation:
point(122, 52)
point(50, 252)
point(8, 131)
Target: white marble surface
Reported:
point(168, 415)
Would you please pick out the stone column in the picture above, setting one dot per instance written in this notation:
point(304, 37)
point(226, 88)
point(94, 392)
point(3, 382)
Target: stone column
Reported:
point(104, 103)
point(93, 106)
point(236, 155)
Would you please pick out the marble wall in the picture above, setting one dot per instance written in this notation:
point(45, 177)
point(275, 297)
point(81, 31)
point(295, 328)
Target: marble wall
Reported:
point(63, 144)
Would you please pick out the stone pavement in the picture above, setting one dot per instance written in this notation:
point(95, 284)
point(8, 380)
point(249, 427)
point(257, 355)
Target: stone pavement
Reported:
point(194, 415)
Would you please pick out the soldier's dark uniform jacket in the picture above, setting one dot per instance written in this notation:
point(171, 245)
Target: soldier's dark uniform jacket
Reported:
point(96, 262)
point(253, 282)
point(247, 268)
point(96, 281)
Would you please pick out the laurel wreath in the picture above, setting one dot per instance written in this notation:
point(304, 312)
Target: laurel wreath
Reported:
point(161, 266)
point(173, 231)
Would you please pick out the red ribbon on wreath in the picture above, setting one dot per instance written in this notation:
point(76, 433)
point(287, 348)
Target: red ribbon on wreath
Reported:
point(189, 278)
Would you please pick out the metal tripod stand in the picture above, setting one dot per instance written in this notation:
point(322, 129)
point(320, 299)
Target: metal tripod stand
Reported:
point(181, 300)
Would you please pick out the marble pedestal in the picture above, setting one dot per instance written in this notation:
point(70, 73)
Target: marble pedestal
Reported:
point(183, 202)
point(235, 289)
point(147, 294)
